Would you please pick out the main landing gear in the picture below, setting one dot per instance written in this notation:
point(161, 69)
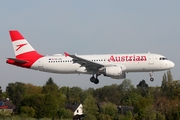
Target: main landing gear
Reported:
point(94, 79)
point(151, 78)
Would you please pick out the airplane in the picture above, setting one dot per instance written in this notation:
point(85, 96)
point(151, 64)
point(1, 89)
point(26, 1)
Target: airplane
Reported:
point(110, 65)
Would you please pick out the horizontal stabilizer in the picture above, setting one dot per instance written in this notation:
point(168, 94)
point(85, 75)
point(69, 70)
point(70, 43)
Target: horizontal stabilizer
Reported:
point(18, 61)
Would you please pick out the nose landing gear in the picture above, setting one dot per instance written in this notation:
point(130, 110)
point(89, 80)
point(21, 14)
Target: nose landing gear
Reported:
point(151, 78)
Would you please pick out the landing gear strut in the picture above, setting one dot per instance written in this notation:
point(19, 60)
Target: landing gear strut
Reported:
point(151, 78)
point(94, 80)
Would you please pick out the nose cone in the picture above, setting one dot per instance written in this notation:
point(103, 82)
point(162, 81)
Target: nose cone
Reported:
point(171, 64)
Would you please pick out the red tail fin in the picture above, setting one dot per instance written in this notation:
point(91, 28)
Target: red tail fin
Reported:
point(23, 50)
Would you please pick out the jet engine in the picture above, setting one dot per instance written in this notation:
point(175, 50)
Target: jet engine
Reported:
point(114, 72)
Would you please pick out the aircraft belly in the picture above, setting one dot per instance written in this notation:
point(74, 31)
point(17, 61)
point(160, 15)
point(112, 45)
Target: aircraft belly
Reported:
point(61, 68)
point(141, 67)
point(55, 67)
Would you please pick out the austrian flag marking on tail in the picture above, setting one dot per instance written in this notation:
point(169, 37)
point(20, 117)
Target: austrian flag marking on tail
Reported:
point(25, 54)
point(20, 45)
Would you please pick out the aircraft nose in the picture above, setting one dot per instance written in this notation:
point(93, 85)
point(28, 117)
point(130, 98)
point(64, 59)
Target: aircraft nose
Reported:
point(171, 64)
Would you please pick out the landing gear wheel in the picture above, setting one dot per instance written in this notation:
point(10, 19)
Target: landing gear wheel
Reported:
point(151, 79)
point(92, 79)
point(96, 81)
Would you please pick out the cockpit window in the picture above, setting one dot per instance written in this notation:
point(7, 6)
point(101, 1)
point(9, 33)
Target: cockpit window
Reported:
point(163, 58)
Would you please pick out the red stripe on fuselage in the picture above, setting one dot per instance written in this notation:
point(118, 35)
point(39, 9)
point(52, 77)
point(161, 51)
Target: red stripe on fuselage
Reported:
point(31, 57)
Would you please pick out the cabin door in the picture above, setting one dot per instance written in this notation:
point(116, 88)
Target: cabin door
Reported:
point(40, 65)
point(150, 59)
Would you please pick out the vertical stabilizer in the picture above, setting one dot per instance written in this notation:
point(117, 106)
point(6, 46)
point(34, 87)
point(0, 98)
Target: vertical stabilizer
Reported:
point(25, 54)
point(22, 49)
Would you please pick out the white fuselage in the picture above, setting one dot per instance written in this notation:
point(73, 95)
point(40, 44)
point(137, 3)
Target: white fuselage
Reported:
point(129, 62)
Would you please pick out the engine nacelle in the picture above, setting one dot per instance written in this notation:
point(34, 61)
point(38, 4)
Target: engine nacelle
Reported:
point(81, 70)
point(114, 72)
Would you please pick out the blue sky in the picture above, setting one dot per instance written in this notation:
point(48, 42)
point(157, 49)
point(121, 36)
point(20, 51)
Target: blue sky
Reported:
point(90, 27)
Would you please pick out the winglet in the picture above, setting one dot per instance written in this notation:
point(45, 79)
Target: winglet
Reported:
point(66, 54)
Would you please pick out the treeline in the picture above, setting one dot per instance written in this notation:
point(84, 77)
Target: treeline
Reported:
point(48, 101)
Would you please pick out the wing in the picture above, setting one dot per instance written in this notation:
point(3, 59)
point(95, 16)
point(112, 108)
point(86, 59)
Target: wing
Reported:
point(90, 65)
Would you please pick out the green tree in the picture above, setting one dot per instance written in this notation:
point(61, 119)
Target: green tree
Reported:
point(160, 116)
point(51, 105)
point(89, 117)
point(27, 111)
point(142, 104)
point(102, 94)
point(50, 87)
point(127, 116)
point(166, 81)
point(53, 99)
point(143, 88)
point(126, 91)
point(169, 76)
point(130, 98)
point(1, 94)
point(170, 88)
point(168, 108)
point(85, 93)
point(126, 85)
point(150, 113)
point(164, 84)
point(32, 89)
point(75, 95)
point(37, 102)
point(90, 106)
point(104, 117)
point(64, 113)
point(110, 109)
point(16, 92)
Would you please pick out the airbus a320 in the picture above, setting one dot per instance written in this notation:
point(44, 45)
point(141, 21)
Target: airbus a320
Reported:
point(110, 65)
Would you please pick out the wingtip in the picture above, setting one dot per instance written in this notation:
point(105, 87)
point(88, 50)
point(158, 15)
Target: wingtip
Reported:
point(66, 54)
